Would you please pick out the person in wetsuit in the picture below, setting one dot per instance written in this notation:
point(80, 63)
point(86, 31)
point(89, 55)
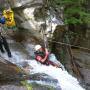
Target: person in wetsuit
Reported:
point(4, 44)
point(42, 56)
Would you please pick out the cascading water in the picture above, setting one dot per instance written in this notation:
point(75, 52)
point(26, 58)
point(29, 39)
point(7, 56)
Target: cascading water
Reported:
point(31, 23)
point(65, 80)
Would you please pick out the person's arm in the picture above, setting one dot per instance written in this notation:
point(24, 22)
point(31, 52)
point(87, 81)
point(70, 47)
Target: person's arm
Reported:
point(46, 56)
point(43, 59)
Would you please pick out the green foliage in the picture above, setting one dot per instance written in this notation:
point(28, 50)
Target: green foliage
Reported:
point(75, 11)
point(28, 86)
point(87, 18)
point(72, 20)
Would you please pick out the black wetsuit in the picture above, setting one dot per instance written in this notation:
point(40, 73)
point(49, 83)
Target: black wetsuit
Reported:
point(3, 43)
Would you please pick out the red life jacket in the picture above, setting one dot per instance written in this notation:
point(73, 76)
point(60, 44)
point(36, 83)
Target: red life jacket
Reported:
point(41, 54)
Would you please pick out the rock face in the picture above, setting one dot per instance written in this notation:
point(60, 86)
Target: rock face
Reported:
point(19, 3)
point(12, 87)
point(25, 17)
point(82, 58)
point(9, 71)
point(27, 26)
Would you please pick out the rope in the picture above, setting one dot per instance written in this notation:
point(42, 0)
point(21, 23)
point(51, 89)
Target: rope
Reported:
point(43, 34)
point(44, 38)
point(61, 43)
point(8, 3)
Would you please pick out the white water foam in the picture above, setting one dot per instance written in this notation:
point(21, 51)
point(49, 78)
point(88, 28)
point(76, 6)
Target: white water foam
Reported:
point(66, 81)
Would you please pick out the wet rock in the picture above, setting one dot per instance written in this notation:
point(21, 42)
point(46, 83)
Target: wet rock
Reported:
point(43, 87)
point(42, 77)
point(43, 81)
point(9, 71)
point(82, 58)
point(12, 87)
point(19, 3)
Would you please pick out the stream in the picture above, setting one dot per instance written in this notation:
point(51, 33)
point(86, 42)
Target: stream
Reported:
point(43, 75)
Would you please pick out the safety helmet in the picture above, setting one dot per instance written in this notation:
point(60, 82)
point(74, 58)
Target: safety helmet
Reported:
point(37, 47)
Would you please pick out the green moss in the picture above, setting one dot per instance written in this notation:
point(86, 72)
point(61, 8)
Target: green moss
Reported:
point(34, 85)
point(28, 86)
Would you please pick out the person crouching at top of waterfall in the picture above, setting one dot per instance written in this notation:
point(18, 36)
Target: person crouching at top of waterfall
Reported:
point(3, 43)
point(42, 55)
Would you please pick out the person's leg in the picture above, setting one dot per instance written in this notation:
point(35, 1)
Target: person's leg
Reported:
point(1, 47)
point(6, 47)
point(53, 58)
point(54, 62)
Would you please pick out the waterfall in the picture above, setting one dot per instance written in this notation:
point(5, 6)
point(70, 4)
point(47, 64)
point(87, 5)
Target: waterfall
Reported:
point(31, 23)
point(65, 80)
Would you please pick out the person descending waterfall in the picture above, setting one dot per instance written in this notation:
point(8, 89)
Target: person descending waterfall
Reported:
point(42, 55)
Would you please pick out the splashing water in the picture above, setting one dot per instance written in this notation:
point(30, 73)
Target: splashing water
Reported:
point(65, 80)
point(51, 21)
